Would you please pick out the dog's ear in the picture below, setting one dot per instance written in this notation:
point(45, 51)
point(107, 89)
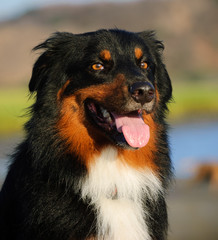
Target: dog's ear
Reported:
point(39, 73)
point(50, 63)
point(150, 37)
point(163, 80)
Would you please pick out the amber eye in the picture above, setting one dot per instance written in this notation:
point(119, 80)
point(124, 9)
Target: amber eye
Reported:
point(143, 65)
point(97, 66)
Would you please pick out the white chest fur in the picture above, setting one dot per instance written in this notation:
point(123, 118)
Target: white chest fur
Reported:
point(117, 192)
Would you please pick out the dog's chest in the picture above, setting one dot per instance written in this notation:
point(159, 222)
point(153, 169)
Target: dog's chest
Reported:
point(117, 192)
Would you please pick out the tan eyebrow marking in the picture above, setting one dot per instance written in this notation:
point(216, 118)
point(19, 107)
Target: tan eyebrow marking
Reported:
point(105, 55)
point(138, 53)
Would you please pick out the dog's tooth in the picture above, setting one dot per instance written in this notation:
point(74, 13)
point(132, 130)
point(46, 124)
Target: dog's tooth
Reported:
point(107, 116)
point(104, 112)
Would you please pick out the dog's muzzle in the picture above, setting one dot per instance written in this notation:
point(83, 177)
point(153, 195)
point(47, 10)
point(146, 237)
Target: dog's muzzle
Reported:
point(142, 92)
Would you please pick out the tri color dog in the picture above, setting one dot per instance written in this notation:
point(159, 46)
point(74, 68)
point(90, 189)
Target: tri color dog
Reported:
point(94, 163)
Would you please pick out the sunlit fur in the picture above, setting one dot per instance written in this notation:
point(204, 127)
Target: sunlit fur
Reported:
point(72, 178)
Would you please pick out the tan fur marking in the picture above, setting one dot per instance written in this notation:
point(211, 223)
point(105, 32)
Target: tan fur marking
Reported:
point(73, 128)
point(83, 138)
point(138, 53)
point(105, 55)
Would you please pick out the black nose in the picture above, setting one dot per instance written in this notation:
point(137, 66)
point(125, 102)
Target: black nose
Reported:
point(142, 92)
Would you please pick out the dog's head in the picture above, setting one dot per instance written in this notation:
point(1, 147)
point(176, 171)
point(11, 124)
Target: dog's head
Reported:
point(105, 84)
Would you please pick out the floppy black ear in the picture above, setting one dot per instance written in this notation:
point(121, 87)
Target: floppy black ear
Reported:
point(57, 49)
point(39, 73)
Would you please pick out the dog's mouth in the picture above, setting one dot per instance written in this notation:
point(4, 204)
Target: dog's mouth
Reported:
point(126, 130)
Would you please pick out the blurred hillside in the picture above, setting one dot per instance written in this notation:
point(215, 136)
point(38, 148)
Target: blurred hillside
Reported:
point(188, 28)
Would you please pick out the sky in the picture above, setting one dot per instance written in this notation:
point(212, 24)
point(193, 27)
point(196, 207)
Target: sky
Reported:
point(13, 8)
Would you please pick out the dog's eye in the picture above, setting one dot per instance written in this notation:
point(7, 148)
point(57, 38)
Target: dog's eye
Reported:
point(144, 65)
point(97, 67)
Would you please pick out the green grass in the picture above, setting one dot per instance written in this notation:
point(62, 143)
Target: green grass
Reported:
point(194, 100)
point(13, 104)
point(191, 99)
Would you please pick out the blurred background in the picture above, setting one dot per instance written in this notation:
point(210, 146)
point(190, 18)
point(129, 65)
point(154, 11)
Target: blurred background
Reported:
point(189, 29)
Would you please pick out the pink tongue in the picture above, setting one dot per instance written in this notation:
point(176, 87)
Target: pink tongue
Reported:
point(135, 131)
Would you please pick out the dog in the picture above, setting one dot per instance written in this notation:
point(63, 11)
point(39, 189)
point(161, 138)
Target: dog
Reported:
point(95, 162)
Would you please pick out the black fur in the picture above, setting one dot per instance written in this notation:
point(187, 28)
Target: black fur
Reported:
point(38, 199)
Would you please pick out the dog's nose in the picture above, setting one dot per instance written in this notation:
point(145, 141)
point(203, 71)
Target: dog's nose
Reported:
point(142, 92)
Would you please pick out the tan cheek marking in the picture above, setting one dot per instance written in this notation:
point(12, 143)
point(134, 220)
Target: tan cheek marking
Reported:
point(138, 53)
point(72, 129)
point(105, 55)
point(82, 139)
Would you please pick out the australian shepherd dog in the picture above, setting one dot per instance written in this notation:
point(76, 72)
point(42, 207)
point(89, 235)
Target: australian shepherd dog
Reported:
point(94, 163)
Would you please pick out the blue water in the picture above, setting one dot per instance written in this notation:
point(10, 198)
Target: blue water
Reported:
point(190, 144)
